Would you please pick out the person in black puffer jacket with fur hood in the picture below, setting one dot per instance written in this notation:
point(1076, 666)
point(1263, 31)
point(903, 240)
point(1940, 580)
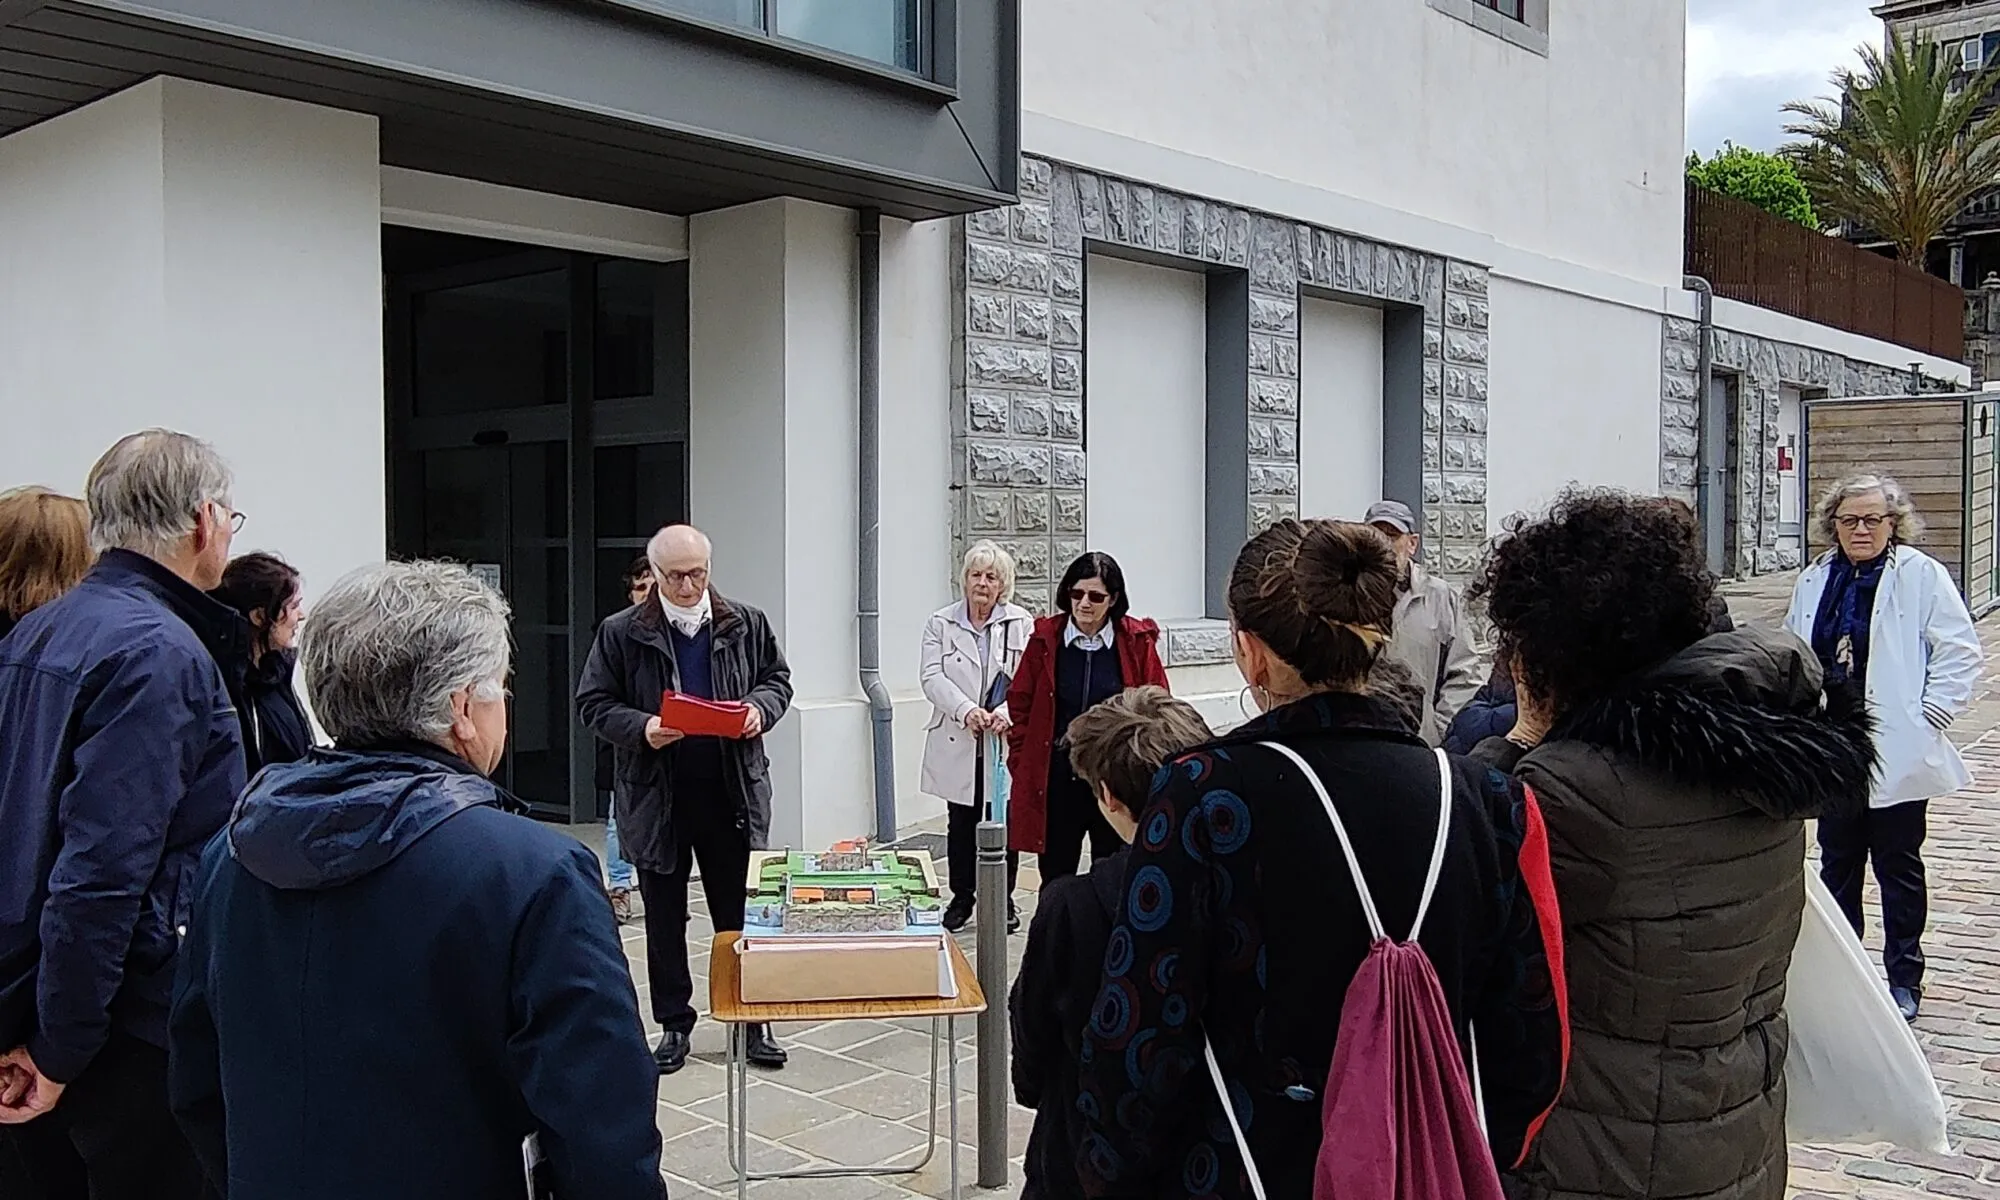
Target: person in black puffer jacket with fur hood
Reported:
point(1675, 768)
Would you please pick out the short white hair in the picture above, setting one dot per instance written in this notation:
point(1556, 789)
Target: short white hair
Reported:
point(984, 555)
point(388, 646)
point(147, 491)
point(1909, 522)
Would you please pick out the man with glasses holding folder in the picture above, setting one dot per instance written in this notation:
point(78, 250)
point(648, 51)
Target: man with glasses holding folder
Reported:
point(687, 790)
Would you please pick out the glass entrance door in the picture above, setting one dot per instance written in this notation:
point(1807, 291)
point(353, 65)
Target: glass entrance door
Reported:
point(495, 463)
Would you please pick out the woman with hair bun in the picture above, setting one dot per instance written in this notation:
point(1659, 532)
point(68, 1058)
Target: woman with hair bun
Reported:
point(1241, 921)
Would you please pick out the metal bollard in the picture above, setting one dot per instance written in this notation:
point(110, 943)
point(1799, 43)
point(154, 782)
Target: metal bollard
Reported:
point(992, 963)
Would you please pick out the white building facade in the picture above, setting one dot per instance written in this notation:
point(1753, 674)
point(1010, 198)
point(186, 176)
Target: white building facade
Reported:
point(1267, 259)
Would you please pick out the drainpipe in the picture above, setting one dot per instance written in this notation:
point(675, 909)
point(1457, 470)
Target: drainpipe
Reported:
point(881, 711)
point(1712, 442)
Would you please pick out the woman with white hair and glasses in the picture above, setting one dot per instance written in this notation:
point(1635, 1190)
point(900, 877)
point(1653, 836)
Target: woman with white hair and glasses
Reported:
point(970, 652)
point(447, 969)
point(1885, 618)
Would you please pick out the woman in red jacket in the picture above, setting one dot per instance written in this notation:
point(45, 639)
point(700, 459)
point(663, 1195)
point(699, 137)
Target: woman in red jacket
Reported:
point(1085, 654)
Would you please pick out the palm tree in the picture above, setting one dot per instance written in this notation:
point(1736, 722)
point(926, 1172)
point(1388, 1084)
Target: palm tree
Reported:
point(1903, 150)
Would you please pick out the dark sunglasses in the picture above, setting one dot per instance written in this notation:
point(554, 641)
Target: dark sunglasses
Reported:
point(1088, 596)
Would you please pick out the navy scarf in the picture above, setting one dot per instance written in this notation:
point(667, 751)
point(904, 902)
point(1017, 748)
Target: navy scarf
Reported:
point(1840, 630)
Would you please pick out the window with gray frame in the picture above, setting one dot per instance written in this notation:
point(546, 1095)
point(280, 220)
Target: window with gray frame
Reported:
point(889, 32)
point(1522, 22)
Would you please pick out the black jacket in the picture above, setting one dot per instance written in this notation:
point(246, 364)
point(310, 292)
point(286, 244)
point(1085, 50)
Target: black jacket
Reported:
point(1048, 1010)
point(1238, 919)
point(631, 666)
point(1675, 811)
point(275, 728)
point(389, 981)
point(120, 755)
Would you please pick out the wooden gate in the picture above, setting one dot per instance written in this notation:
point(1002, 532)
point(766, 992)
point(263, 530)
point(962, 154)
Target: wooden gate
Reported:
point(1941, 449)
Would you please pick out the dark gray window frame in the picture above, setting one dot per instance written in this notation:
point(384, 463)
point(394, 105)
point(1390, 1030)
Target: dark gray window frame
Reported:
point(1225, 405)
point(937, 44)
point(1402, 391)
point(1531, 33)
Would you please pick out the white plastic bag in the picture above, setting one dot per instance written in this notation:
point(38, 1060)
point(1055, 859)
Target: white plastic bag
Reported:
point(1856, 1073)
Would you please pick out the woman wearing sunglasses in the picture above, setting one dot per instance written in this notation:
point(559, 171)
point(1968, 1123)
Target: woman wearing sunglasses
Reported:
point(1886, 619)
point(1089, 651)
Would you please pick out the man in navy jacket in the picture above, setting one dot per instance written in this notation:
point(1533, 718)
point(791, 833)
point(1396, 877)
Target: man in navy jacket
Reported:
point(391, 977)
point(121, 757)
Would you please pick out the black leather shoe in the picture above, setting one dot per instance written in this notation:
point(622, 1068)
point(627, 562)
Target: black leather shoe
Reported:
point(957, 913)
point(1906, 1000)
point(763, 1051)
point(672, 1052)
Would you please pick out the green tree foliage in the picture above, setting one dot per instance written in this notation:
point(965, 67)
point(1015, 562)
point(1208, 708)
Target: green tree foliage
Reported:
point(1768, 181)
point(1903, 148)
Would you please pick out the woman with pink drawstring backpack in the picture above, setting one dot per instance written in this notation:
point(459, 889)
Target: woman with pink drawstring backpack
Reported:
point(1352, 937)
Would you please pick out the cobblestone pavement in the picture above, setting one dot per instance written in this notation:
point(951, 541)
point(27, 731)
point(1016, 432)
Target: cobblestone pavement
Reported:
point(856, 1092)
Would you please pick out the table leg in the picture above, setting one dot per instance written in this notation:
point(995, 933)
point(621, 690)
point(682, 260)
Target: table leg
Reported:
point(739, 1058)
point(951, 1051)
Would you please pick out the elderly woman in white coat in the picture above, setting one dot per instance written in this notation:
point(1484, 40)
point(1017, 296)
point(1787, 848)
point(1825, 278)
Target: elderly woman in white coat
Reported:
point(1886, 617)
point(970, 650)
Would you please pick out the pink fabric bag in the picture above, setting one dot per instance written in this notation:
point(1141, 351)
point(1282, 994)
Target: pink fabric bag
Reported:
point(1400, 1120)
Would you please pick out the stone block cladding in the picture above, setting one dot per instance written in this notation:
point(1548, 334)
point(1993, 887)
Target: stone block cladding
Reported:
point(1019, 467)
point(1761, 367)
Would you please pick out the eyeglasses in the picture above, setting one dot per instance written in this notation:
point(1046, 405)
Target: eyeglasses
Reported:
point(236, 519)
point(1869, 521)
point(1088, 596)
point(697, 577)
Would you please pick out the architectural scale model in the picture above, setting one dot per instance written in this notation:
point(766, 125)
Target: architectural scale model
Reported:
point(846, 889)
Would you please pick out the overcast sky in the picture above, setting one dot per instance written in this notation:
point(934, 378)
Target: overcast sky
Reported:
point(1747, 57)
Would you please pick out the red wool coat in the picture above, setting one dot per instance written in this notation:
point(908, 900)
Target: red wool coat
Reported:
point(1031, 705)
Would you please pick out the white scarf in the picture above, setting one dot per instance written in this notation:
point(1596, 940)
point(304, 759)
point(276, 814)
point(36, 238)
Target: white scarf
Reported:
point(688, 620)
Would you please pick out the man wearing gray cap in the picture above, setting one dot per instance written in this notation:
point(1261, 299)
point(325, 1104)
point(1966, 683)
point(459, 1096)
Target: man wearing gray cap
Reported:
point(1430, 634)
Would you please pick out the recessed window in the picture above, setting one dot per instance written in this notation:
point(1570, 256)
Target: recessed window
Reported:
point(1525, 23)
point(890, 32)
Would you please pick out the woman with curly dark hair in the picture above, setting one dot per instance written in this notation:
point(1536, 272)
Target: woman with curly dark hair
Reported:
point(1675, 768)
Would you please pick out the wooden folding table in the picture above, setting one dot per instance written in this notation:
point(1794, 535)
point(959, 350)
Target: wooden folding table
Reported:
point(725, 1005)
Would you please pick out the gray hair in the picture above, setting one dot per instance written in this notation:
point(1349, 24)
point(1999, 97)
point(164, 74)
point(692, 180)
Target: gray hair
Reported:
point(1909, 525)
point(989, 554)
point(387, 646)
point(147, 491)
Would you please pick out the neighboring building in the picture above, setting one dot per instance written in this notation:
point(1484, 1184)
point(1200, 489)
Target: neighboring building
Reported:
point(1268, 259)
point(1969, 33)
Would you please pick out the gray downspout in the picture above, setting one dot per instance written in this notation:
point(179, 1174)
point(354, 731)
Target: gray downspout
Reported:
point(1712, 439)
point(881, 710)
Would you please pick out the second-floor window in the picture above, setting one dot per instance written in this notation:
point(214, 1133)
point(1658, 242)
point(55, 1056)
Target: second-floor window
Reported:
point(1517, 9)
point(889, 32)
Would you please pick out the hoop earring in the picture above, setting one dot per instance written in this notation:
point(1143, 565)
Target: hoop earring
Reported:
point(1244, 697)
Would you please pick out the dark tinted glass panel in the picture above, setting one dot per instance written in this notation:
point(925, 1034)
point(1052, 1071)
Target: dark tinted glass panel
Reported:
point(640, 488)
point(541, 719)
point(628, 301)
point(492, 345)
point(883, 31)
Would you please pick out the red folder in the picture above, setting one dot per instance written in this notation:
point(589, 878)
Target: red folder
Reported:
point(703, 718)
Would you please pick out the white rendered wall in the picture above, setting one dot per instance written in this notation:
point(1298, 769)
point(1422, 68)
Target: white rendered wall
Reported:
point(1576, 156)
point(771, 300)
point(917, 563)
point(1340, 409)
point(1145, 429)
point(208, 260)
point(1574, 398)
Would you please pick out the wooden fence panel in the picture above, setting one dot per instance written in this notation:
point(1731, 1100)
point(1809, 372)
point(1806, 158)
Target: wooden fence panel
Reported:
point(1749, 255)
